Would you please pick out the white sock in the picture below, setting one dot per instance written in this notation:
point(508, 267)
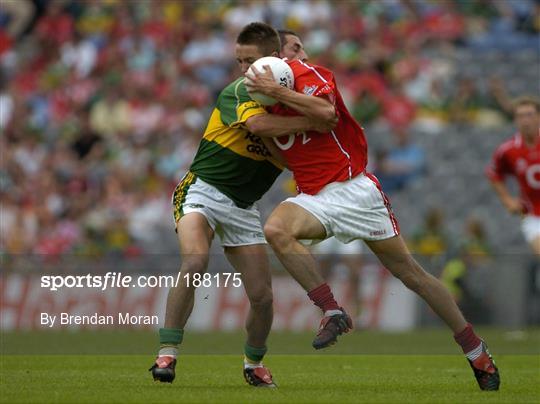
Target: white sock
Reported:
point(248, 365)
point(475, 353)
point(168, 351)
point(329, 313)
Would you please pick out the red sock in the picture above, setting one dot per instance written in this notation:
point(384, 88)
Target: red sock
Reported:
point(467, 339)
point(323, 298)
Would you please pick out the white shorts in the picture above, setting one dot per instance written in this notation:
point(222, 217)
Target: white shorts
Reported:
point(530, 226)
point(353, 209)
point(234, 226)
point(334, 246)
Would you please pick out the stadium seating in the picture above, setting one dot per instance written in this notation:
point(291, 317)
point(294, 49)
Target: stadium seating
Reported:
point(49, 104)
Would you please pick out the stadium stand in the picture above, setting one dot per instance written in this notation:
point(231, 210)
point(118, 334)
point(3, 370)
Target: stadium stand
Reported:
point(102, 104)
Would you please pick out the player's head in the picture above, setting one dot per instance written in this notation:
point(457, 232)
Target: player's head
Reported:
point(255, 41)
point(291, 46)
point(527, 115)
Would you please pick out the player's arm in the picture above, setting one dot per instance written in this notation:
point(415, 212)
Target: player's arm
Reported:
point(512, 204)
point(254, 118)
point(272, 125)
point(319, 108)
point(273, 149)
point(496, 172)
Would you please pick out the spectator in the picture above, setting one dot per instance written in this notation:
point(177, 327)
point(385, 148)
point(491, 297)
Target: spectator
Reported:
point(80, 54)
point(431, 242)
point(56, 25)
point(465, 274)
point(490, 108)
point(402, 164)
point(398, 109)
point(110, 116)
point(146, 74)
point(86, 140)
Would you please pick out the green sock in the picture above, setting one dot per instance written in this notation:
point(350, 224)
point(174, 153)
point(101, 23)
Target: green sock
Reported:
point(171, 336)
point(254, 354)
point(169, 339)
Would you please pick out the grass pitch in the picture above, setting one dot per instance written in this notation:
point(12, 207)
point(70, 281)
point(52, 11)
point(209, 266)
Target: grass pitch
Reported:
point(342, 374)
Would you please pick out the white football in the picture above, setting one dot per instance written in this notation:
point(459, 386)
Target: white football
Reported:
point(283, 75)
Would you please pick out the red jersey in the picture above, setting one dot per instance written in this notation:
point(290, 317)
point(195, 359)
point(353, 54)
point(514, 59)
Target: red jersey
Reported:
point(317, 159)
point(515, 158)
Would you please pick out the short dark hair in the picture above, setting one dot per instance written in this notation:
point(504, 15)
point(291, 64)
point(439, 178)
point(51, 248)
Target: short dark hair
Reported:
point(264, 36)
point(527, 100)
point(283, 35)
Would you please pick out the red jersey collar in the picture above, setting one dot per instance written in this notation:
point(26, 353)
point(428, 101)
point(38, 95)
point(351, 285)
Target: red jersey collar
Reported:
point(520, 142)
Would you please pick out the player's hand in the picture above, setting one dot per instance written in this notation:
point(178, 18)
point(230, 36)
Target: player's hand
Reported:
point(515, 206)
point(262, 82)
point(324, 126)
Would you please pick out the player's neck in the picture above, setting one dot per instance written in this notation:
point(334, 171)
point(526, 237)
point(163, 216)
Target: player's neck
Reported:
point(530, 139)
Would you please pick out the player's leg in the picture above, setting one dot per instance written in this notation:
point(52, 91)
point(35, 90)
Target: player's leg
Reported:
point(535, 245)
point(395, 256)
point(251, 261)
point(245, 247)
point(530, 227)
point(287, 224)
point(354, 264)
point(195, 237)
point(350, 255)
point(333, 254)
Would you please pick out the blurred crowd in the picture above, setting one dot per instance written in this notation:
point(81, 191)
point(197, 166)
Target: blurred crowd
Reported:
point(463, 265)
point(103, 102)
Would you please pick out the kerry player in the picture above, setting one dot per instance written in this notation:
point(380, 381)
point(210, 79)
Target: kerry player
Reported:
point(230, 172)
point(337, 197)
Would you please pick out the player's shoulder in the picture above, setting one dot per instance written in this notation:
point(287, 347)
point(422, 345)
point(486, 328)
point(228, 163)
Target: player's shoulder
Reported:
point(235, 92)
point(299, 67)
point(510, 144)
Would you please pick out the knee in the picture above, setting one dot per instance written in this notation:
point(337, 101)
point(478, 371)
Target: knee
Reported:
point(261, 299)
point(194, 264)
point(276, 233)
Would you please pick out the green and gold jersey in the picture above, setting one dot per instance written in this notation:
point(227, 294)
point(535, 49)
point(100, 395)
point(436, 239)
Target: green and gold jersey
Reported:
point(229, 157)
